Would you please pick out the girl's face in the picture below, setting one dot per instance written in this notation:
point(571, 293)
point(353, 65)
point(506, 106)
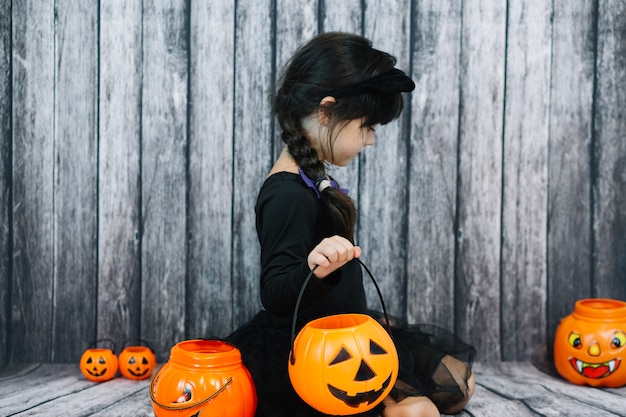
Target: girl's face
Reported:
point(349, 140)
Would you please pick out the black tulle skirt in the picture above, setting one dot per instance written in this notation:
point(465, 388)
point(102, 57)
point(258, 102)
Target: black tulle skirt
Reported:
point(265, 343)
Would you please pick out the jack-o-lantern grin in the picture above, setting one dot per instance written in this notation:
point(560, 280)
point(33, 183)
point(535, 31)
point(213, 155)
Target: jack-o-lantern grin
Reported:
point(361, 397)
point(139, 373)
point(595, 370)
point(95, 372)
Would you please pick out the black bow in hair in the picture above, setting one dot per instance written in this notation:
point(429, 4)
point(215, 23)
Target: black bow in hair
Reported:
point(392, 81)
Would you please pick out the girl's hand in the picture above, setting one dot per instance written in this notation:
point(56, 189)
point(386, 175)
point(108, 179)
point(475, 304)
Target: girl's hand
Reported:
point(331, 254)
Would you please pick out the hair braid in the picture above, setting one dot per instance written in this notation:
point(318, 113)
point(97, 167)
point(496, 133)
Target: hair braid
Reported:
point(341, 206)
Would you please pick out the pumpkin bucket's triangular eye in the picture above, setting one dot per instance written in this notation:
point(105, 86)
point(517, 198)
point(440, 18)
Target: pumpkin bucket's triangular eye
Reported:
point(144, 361)
point(101, 361)
point(376, 349)
point(89, 360)
point(131, 361)
point(342, 356)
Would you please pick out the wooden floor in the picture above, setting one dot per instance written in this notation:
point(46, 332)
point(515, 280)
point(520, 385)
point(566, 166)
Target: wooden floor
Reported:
point(504, 390)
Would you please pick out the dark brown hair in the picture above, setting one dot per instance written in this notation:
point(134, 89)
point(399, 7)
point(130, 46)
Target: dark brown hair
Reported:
point(330, 62)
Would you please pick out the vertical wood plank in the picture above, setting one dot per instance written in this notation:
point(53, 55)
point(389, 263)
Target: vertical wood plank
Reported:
point(119, 228)
point(568, 162)
point(525, 180)
point(253, 137)
point(344, 16)
point(75, 180)
point(5, 177)
point(33, 134)
point(210, 299)
point(164, 172)
point(477, 293)
point(433, 162)
point(609, 198)
point(383, 186)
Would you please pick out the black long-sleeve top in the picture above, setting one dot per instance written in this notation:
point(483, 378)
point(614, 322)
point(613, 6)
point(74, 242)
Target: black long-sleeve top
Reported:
point(290, 222)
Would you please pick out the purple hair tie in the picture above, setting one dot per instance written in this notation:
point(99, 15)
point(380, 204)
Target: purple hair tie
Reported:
point(321, 185)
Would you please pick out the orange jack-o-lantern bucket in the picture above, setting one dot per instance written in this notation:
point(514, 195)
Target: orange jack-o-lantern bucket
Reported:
point(99, 364)
point(203, 377)
point(137, 362)
point(342, 364)
point(590, 343)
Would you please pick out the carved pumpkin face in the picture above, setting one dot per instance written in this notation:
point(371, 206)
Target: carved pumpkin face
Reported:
point(98, 364)
point(590, 344)
point(137, 362)
point(343, 364)
point(203, 377)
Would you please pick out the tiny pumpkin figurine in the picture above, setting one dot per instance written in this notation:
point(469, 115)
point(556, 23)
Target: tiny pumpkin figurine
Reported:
point(343, 364)
point(590, 343)
point(98, 364)
point(137, 362)
point(203, 377)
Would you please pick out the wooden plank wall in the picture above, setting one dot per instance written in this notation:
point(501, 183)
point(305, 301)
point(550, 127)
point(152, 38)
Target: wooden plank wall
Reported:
point(135, 136)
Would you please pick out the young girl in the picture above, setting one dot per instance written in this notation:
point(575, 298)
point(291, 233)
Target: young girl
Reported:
point(333, 93)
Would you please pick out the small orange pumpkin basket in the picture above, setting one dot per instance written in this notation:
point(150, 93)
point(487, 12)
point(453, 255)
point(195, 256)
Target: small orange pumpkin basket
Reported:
point(590, 343)
point(342, 364)
point(137, 362)
point(99, 364)
point(203, 377)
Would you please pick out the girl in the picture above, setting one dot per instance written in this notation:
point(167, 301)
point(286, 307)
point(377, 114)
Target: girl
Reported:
point(333, 93)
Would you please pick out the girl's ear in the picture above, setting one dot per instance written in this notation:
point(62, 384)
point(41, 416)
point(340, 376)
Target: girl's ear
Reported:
point(322, 115)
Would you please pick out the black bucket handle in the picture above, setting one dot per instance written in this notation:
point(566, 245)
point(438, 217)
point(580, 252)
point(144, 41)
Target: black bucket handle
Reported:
point(292, 357)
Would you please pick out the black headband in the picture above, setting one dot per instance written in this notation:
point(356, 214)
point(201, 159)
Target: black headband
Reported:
point(392, 81)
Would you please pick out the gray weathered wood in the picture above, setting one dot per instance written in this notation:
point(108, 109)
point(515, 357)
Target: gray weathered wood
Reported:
point(512, 389)
point(164, 174)
point(477, 293)
point(75, 179)
point(33, 167)
point(253, 138)
point(609, 175)
point(433, 163)
point(135, 137)
point(210, 298)
point(383, 182)
point(5, 177)
point(568, 163)
point(119, 165)
point(525, 180)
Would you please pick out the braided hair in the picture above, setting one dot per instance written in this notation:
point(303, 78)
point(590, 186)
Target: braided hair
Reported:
point(365, 85)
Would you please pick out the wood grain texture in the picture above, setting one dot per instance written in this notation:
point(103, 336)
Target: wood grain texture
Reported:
point(433, 163)
point(525, 180)
point(5, 177)
point(75, 179)
point(569, 205)
point(382, 181)
point(135, 138)
point(33, 167)
point(119, 173)
point(477, 292)
point(164, 174)
point(609, 175)
point(210, 299)
point(253, 157)
point(512, 389)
